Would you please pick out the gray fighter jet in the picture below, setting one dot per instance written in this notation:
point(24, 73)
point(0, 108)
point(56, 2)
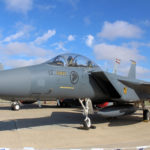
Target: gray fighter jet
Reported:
point(74, 76)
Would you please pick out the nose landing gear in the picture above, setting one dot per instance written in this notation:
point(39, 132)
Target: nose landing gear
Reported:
point(87, 109)
point(15, 106)
point(146, 113)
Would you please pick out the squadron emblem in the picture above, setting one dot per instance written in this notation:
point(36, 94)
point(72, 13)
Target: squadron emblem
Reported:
point(74, 77)
point(125, 90)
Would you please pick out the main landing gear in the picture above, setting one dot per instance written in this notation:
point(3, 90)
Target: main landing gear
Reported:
point(146, 113)
point(15, 106)
point(87, 109)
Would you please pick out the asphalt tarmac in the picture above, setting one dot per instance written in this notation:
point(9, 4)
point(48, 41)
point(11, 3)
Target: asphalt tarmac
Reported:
point(50, 127)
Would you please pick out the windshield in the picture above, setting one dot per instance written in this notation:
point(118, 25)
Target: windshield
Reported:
point(71, 60)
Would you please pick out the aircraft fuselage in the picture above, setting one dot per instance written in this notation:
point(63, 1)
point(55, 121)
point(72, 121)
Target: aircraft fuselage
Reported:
point(46, 82)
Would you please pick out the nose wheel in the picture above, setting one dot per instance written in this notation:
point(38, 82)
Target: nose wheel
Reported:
point(15, 106)
point(87, 123)
point(87, 109)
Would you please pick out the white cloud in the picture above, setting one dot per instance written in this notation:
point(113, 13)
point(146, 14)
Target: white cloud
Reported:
point(17, 54)
point(89, 40)
point(45, 36)
point(135, 44)
point(23, 32)
point(105, 51)
point(13, 36)
point(22, 6)
point(24, 27)
point(120, 29)
point(146, 22)
point(59, 46)
point(24, 50)
point(141, 72)
point(14, 63)
point(71, 38)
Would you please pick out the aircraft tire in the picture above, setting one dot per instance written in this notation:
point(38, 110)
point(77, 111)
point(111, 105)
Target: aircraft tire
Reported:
point(146, 115)
point(87, 123)
point(15, 107)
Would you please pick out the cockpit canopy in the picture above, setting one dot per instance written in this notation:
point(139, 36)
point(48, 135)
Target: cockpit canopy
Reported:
point(71, 60)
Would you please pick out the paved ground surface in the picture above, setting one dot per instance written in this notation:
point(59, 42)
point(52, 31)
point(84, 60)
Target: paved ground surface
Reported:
point(51, 127)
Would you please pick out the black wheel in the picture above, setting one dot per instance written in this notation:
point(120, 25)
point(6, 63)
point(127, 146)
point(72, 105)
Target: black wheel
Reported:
point(12, 107)
point(146, 115)
point(87, 123)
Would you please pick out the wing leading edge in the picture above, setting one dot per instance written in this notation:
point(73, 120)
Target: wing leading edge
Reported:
point(139, 86)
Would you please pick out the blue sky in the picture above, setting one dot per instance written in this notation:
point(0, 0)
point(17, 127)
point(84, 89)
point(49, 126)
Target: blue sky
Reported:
point(33, 31)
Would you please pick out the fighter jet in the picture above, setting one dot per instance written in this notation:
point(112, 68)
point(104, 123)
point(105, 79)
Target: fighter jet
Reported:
point(72, 76)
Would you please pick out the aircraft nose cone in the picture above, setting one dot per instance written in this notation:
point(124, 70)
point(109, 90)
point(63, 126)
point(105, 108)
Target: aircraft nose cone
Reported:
point(15, 82)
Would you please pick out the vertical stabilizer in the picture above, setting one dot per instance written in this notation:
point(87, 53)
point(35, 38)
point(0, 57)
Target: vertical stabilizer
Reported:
point(1, 67)
point(132, 71)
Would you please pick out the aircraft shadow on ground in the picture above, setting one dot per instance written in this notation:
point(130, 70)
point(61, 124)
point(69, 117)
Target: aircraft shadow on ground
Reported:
point(65, 119)
point(117, 121)
point(35, 106)
point(29, 106)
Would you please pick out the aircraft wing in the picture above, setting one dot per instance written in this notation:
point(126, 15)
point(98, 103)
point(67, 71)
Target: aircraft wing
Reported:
point(108, 84)
point(143, 87)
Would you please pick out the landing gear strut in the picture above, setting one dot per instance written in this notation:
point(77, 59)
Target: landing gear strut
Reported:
point(87, 109)
point(146, 113)
point(15, 106)
point(59, 103)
